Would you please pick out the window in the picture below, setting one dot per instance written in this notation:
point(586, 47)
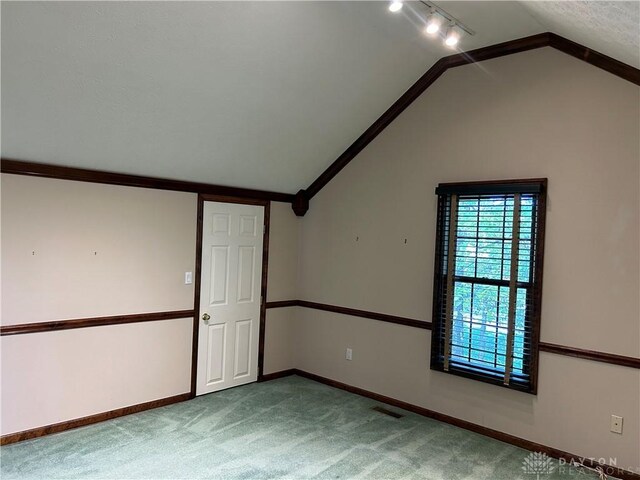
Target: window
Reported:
point(488, 279)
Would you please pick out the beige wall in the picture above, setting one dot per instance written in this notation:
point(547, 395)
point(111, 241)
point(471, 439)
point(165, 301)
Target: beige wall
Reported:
point(52, 377)
point(284, 238)
point(279, 340)
point(535, 114)
point(145, 241)
point(282, 285)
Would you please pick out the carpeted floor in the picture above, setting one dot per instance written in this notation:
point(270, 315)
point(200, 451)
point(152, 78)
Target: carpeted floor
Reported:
point(291, 428)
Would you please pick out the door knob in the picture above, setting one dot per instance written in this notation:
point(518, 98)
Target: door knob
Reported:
point(206, 317)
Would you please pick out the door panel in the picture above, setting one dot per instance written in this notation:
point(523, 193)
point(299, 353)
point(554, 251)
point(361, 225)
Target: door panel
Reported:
point(246, 272)
point(219, 275)
point(231, 277)
point(248, 225)
point(220, 224)
point(216, 342)
point(243, 348)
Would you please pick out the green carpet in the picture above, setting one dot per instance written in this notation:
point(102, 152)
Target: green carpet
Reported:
point(291, 428)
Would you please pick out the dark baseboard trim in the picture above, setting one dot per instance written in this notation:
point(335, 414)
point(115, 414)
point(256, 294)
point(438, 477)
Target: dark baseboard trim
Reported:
point(603, 357)
point(504, 437)
point(19, 167)
point(275, 375)
point(23, 328)
point(81, 422)
point(488, 432)
point(511, 47)
point(596, 356)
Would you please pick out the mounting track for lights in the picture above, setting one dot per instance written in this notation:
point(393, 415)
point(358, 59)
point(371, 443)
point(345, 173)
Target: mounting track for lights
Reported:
point(447, 16)
point(436, 20)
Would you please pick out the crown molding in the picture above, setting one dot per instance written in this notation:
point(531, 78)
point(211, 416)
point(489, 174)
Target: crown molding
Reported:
point(20, 167)
point(548, 39)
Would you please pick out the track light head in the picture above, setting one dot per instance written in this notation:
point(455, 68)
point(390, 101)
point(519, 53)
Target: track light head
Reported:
point(434, 22)
point(452, 37)
point(395, 6)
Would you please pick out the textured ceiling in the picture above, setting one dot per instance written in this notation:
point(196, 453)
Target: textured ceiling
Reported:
point(251, 94)
point(612, 28)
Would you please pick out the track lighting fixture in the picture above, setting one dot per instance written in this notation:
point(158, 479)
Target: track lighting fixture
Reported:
point(435, 20)
point(395, 6)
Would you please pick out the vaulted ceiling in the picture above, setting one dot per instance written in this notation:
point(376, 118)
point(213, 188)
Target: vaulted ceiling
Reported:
point(251, 94)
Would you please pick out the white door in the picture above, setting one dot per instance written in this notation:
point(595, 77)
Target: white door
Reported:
point(231, 278)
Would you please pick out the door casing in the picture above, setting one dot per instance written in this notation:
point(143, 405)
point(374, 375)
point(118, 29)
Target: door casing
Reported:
point(197, 283)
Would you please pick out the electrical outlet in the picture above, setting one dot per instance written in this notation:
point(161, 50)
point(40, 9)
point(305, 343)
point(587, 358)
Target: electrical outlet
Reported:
point(616, 424)
point(349, 354)
point(188, 278)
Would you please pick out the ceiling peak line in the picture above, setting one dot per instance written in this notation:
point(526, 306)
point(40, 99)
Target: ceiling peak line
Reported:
point(548, 39)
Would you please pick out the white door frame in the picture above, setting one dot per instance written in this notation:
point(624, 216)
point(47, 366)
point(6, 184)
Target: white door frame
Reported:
point(197, 283)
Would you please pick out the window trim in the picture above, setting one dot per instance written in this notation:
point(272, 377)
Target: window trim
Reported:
point(532, 185)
